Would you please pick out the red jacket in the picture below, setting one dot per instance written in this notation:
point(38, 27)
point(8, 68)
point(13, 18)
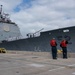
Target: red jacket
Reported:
point(63, 43)
point(53, 42)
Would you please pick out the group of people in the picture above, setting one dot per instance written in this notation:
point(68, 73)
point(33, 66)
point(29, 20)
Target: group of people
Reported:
point(63, 45)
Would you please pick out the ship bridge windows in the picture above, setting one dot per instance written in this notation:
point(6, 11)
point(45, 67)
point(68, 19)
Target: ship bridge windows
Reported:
point(66, 30)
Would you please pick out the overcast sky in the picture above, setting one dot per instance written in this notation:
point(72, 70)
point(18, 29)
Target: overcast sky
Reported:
point(33, 15)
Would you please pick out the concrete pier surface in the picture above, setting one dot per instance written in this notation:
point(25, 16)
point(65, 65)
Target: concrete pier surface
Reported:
point(21, 63)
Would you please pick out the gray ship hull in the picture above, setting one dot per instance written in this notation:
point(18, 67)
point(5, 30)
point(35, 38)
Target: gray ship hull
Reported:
point(41, 43)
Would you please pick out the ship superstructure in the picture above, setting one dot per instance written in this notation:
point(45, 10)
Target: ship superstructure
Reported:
point(8, 29)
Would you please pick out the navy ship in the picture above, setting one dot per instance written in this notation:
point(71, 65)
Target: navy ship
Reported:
point(8, 29)
point(42, 42)
point(34, 43)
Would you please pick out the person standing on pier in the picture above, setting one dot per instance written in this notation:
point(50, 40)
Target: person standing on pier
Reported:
point(63, 45)
point(53, 48)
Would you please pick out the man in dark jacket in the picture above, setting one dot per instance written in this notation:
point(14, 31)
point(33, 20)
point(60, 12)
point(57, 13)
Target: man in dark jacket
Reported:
point(53, 48)
point(63, 45)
